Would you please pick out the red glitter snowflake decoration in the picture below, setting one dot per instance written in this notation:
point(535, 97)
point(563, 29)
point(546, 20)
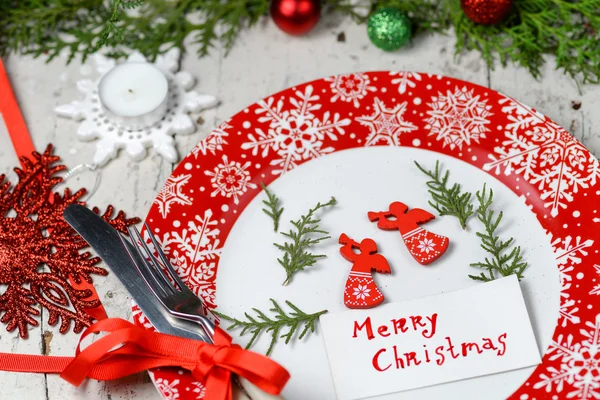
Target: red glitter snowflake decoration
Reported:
point(39, 251)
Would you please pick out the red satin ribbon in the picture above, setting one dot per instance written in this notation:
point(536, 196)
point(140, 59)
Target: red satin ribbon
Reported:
point(15, 124)
point(141, 349)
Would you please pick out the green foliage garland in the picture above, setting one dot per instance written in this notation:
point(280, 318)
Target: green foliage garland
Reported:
point(569, 29)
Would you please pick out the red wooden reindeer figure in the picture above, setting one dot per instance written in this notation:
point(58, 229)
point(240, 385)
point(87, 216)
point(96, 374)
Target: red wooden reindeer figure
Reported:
point(424, 246)
point(361, 290)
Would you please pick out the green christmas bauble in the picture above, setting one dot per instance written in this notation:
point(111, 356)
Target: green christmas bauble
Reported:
point(389, 28)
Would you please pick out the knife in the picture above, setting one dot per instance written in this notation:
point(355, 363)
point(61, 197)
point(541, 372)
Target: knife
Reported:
point(104, 239)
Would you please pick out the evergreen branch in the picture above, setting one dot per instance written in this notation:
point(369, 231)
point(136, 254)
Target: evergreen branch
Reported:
point(568, 29)
point(500, 262)
point(306, 234)
point(112, 25)
point(273, 210)
point(274, 325)
point(447, 201)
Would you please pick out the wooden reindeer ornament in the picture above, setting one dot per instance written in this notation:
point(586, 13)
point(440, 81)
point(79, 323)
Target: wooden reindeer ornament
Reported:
point(361, 290)
point(424, 246)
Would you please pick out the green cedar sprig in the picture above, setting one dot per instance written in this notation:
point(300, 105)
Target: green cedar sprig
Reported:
point(447, 201)
point(112, 26)
point(262, 323)
point(567, 29)
point(273, 210)
point(306, 233)
point(502, 261)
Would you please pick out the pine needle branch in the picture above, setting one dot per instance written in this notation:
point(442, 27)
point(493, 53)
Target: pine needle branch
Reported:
point(297, 255)
point(274, 325)
point(567, 29)
point(502, 261)
point(447, 201)
point(273, 210)
point(112, 26)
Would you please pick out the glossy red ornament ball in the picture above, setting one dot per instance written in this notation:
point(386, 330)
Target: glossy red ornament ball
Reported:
point(486, 12)
point(296, 17)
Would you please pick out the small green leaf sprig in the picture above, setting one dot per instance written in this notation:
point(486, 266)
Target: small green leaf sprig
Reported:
point(447, 200)
point(505, 258)
point(272, 207)
point(502, 261)
point(306, 233)
point(274, 325)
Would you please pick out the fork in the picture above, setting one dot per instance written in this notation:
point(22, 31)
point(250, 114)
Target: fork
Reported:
point(179, 301)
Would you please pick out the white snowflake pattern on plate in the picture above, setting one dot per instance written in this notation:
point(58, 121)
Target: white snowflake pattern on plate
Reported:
point(545, 155)
point(458, 117)
point(202, 281)
point(194, 251)
point(200, 389)
point(230, 179)
point(596, 289)
point(296, 134)
point(213, 142)
point(198, 242)
point(386, 125)
point(172, 193)
point(168, 389)
point(405, 80)
point(139, 316)
point(350, 88)
point(569, 252)
point(579, 364)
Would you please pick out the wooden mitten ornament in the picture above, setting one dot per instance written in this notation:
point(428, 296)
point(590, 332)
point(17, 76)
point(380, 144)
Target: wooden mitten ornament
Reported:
point(361, 290)
point(424, 246)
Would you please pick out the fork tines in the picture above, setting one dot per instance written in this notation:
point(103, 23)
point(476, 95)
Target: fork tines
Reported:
point(152, 266)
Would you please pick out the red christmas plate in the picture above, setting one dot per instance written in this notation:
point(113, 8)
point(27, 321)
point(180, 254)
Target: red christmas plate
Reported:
point(355, 137)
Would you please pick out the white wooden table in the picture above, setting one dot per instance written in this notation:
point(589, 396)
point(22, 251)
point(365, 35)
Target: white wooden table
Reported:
point(263, 61)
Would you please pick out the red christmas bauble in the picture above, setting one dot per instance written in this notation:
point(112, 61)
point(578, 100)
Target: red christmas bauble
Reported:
point(486, 12)
point(296, 17)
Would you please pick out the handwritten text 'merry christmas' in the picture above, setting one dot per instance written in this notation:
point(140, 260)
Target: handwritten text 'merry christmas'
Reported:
point(481, 330)
point(396, 357)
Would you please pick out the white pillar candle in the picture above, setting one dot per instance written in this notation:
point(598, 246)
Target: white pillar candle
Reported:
point(134, 95)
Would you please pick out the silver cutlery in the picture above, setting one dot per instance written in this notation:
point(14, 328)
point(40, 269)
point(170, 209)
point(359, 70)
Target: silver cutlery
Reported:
point(123, 260)
point(178, 299)
point(106, 241)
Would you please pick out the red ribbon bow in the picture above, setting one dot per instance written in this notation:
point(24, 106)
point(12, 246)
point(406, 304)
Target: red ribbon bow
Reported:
point(141, 349)
point(129, 349)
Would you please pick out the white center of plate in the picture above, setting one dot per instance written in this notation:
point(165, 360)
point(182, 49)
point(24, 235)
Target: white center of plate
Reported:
point(369, 179)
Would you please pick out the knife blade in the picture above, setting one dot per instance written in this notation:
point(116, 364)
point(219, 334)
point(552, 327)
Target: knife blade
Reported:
point(104, 239)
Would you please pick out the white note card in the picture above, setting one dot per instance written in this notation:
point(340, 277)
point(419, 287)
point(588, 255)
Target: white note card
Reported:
point(482, 330)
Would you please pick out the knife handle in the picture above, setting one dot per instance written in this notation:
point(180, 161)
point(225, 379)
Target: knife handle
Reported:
point(254, 392)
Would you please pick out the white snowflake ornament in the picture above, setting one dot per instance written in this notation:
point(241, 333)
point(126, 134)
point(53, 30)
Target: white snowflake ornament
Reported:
point(113, 137)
